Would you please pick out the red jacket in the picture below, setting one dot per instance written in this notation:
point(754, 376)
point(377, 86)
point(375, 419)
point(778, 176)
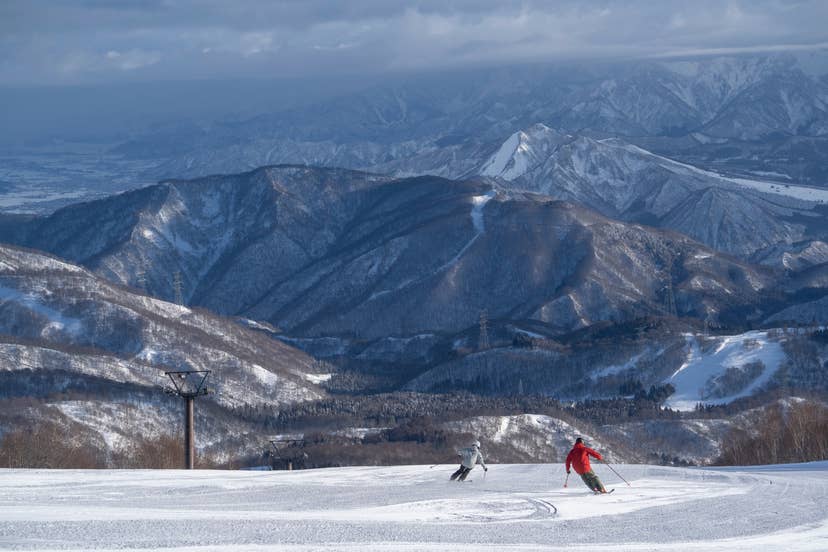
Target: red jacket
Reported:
point(578, 457)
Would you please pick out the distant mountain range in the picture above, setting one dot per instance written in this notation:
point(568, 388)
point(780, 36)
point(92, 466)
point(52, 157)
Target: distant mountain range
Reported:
point(747, 114)
point(351, 264)
point(730, 151)
point(761, 117)
point(752, 219)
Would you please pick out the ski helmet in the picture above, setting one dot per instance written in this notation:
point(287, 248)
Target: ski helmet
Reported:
point(476, 444)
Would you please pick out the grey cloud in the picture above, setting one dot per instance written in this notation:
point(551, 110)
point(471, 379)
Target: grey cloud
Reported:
point(54, 41)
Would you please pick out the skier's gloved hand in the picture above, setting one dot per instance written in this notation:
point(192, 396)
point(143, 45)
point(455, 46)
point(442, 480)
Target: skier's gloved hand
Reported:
point(567, 472)
point(485, 469)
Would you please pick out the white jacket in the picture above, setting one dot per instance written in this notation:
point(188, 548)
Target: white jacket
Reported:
point(471, 456)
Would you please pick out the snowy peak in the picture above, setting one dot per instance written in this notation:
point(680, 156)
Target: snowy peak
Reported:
point(626, 182)
point(523, 151)
point(708, 84)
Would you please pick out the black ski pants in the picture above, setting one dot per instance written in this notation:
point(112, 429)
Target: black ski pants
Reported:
point(461, 473)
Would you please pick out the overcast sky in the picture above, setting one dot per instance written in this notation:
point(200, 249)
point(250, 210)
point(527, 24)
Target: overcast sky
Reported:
point(109, 41)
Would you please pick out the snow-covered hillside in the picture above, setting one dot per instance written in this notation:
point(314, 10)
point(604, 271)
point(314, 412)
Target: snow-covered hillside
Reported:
point(415, 508)
point(723, 369)
point(536, 436)
point(46, 302)
point(523, 151)
point(746, 217)
point(330, 253)
point(100, 352)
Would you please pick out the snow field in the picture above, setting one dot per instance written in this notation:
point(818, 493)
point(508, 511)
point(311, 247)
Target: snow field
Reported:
point(801, 192)
point(726, 352)
point(514, 507)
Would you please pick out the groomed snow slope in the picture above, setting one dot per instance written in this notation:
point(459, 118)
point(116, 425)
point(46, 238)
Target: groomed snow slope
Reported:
point(515, 508)
point(722, 353)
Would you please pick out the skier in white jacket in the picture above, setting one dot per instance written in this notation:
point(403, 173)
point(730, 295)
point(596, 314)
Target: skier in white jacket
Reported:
point(468, 458)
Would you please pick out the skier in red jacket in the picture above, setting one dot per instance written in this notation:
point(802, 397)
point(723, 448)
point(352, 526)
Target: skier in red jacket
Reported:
point(578, 458)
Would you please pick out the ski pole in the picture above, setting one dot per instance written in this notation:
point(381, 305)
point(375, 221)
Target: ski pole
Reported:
point(616, 473)
point(566, 480)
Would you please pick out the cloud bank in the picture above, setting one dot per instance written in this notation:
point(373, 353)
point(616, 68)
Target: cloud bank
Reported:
point(54, 42)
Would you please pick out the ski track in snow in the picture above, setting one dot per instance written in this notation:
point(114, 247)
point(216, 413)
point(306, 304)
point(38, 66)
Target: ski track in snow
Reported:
point(407, 508)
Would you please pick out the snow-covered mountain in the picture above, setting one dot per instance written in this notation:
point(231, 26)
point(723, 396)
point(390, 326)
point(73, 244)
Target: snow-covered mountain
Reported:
point(89, 345)
point(688, 107)
point(758, 115)
point(743, 98)
point(750, 218)
point(700, 369)
point(545, 237)
point(523, 152)
point(375, 271)
point(379, 272)
point(322, 253)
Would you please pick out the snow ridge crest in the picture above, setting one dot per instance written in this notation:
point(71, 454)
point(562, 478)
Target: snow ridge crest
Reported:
point(522, 151)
